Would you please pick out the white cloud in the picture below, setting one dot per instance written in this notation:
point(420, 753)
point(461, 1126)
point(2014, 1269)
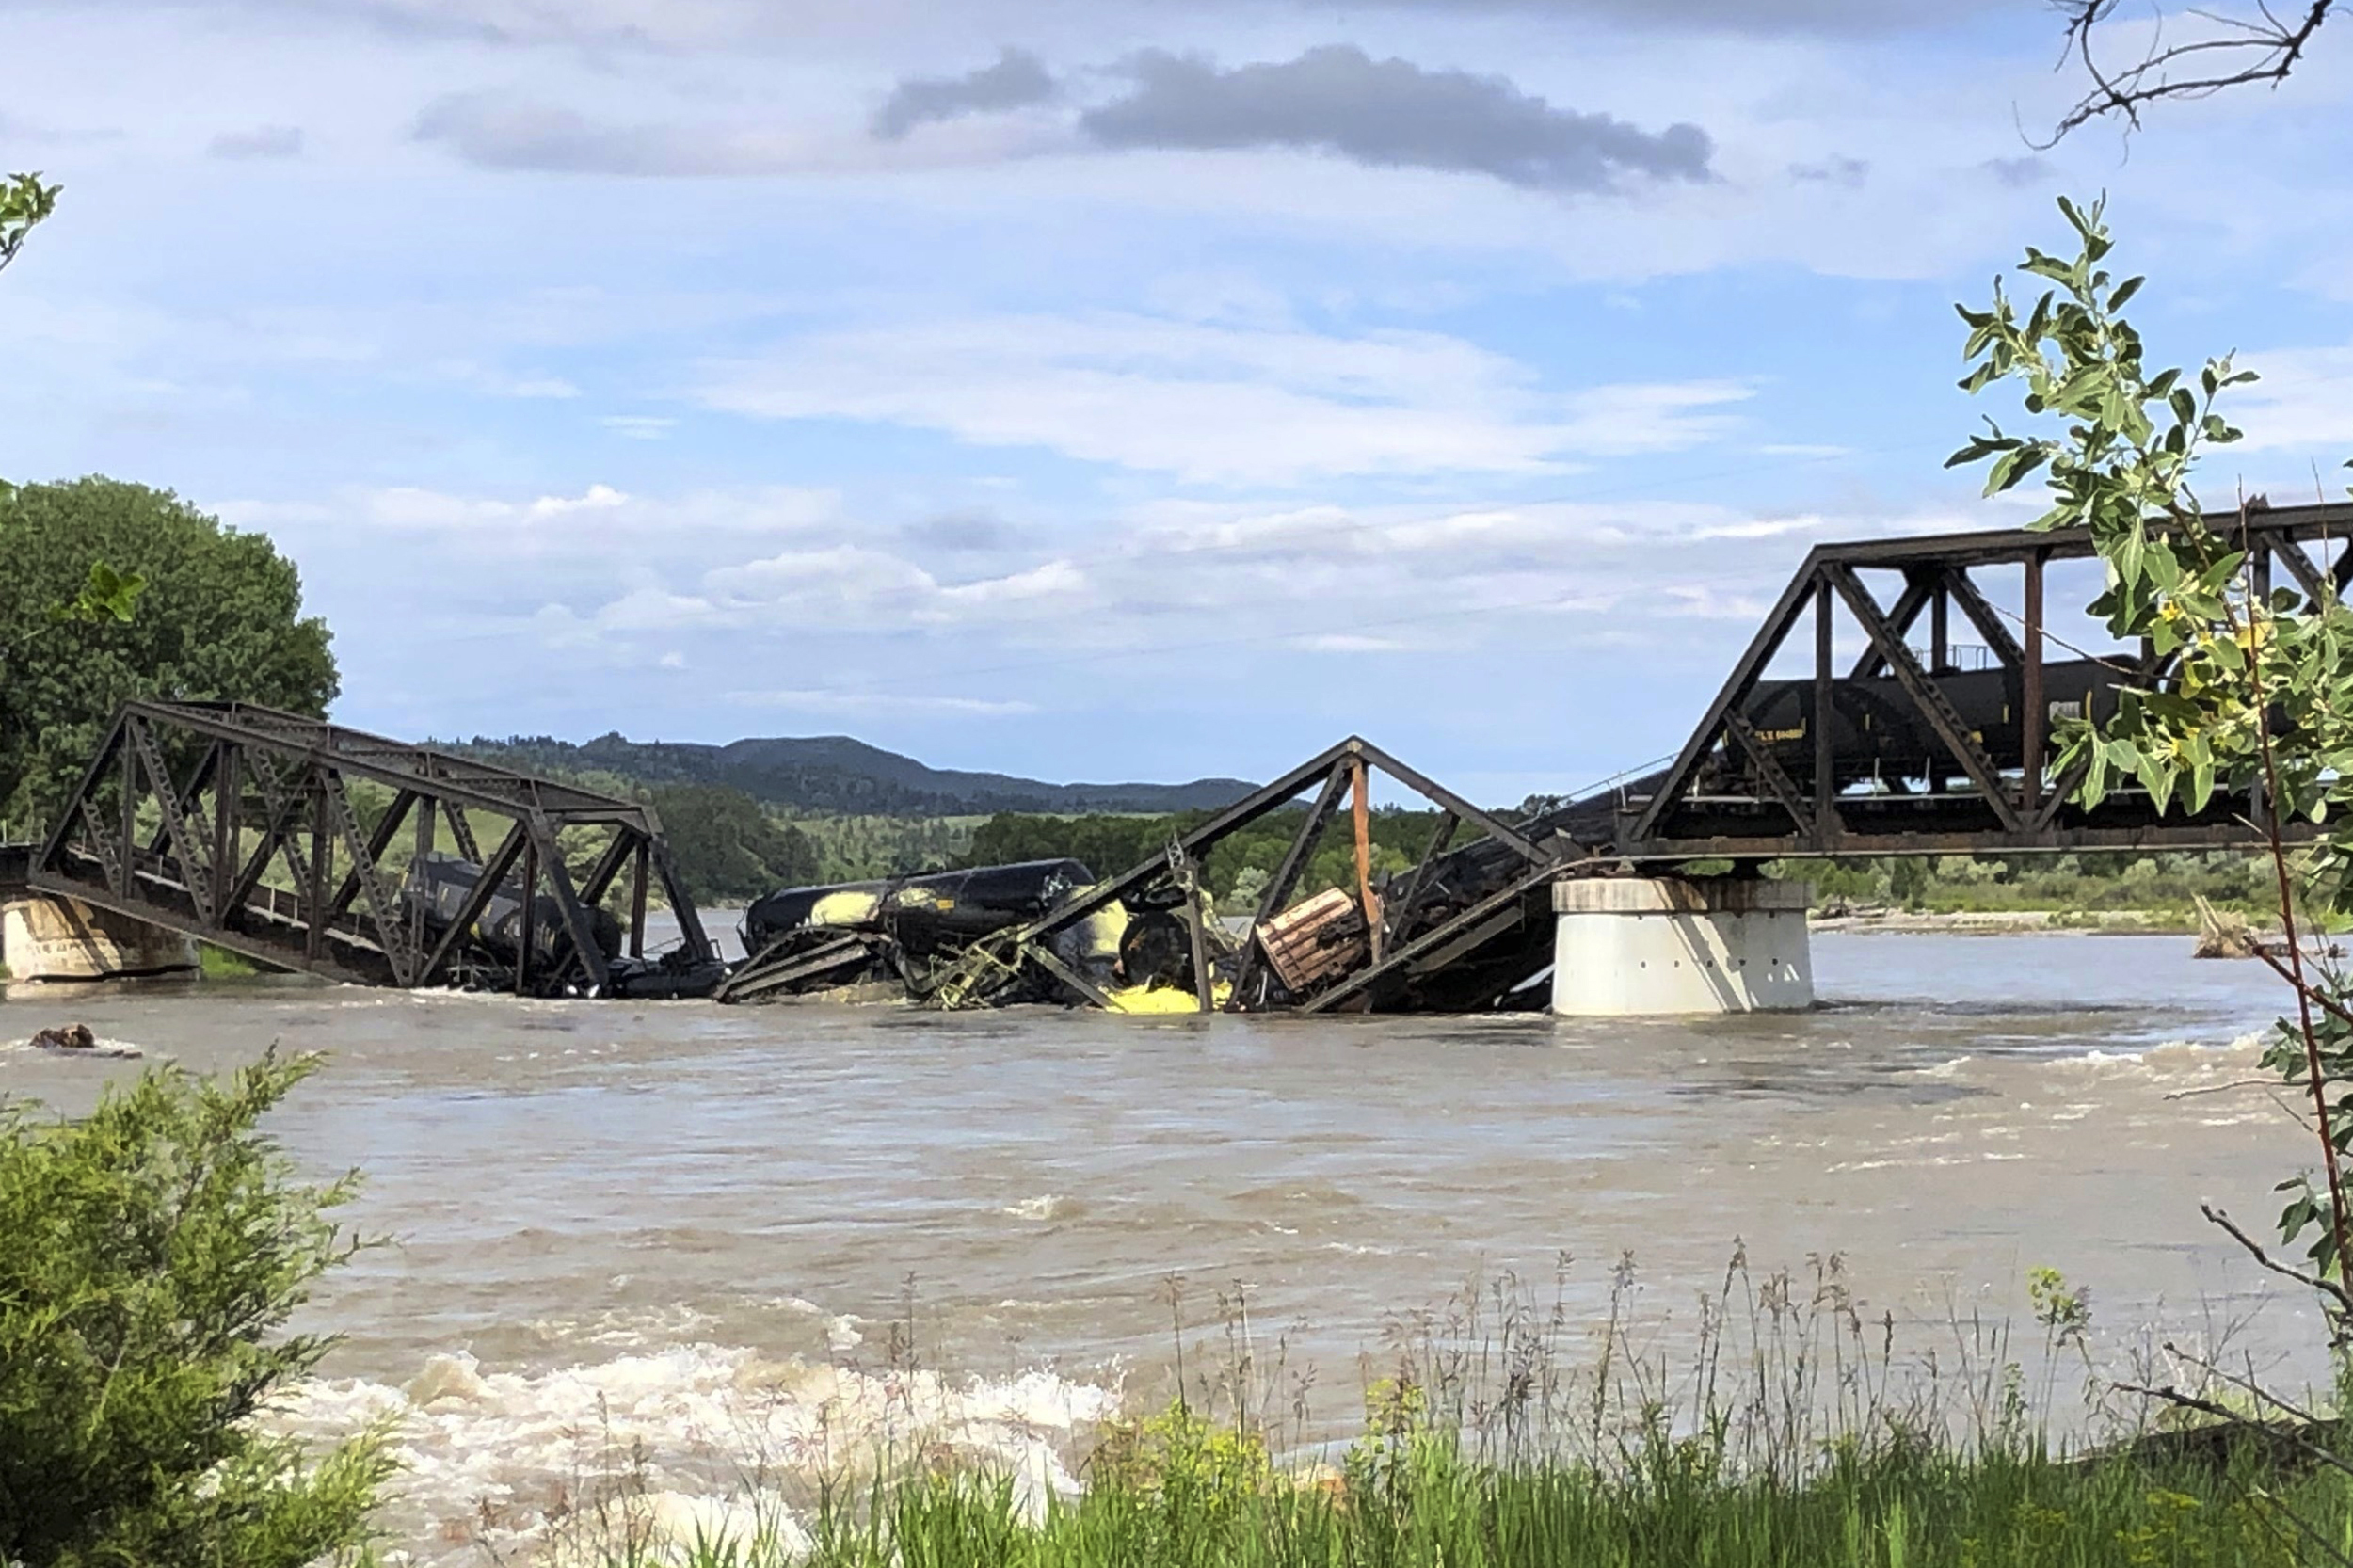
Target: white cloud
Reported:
point(262, 141)
point(598, 515)
point(848, 702)
point(492, 381)
point(852, 586)
point(1218, 404)
point(2304, 402)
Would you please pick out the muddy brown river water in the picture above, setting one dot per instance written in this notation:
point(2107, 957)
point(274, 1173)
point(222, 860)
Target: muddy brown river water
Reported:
point(703, 1229)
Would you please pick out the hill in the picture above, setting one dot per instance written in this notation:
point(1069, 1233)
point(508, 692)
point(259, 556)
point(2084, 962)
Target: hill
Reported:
point(835, 774)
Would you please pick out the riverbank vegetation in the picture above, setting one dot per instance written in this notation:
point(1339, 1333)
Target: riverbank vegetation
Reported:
point(1236, 870)
point(2164, 888)
point(1796, 1428)
point(1419, 1503)
point(150, 1257)
point(215, 614)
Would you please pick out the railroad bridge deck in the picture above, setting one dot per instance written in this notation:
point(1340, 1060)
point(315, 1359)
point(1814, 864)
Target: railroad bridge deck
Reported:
point(1918, 755)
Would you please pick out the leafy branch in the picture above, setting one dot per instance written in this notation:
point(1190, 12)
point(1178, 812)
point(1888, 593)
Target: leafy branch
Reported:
point(2241, 691)
point(24, 202)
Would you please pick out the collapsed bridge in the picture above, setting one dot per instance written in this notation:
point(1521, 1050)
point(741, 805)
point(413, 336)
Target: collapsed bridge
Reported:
point(239, 824)
point(1917, 743)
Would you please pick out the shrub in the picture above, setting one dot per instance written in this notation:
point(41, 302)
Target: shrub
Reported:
point(150, 1257)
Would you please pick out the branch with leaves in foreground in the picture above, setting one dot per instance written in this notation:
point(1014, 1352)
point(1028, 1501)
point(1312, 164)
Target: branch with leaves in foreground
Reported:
point(25, 200)
point(2252, 694)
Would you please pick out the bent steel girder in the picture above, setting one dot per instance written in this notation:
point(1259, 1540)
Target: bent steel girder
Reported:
point(251, 839)
point(1331, 772)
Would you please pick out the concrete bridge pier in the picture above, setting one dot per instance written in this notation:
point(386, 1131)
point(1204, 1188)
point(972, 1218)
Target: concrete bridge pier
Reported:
point(63, 938)
point(1654, 947)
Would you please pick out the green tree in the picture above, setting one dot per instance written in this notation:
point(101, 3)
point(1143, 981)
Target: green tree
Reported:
point(150, 1258)
point(26, 201)
point(220, 618)
point(105, 594)
point(2246, 692)
point(727, 845)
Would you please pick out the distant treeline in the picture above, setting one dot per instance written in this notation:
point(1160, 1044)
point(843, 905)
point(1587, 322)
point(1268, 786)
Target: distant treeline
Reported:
point(2090, 883)
point(835, 776)
point(1237, 869)
point(726, 847)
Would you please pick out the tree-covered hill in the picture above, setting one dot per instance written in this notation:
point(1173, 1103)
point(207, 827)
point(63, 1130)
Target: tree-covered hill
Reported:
point(835, 774)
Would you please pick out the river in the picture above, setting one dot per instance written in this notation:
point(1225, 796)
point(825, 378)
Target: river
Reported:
point(729, 1234)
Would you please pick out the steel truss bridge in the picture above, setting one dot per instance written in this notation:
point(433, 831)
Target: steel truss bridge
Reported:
point(234, 822)
point(1902, 751)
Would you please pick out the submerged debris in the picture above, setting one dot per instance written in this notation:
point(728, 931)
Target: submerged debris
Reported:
point(2223, 935)
point(78, 1040)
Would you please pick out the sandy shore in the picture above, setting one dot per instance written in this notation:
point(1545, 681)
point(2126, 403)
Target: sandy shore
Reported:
point(2062, 922)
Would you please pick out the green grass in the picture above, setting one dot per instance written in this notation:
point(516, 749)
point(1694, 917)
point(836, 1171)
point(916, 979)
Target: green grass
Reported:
point(1416, 1502)
point(1794, 1432)
point(220, 963)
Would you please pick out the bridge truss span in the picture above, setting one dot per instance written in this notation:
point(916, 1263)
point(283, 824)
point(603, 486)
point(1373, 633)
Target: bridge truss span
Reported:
point(1904, 750)
point(306, 846)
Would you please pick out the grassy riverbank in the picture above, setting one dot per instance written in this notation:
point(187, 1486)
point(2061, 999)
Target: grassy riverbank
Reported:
point(1795, 1430)
point(1417, 1502)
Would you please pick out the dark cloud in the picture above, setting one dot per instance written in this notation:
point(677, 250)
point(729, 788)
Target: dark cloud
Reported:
point(490, 131)
point(971, 531)
point(263, 141)
point(1338, 99)
point(794, 25)
point(2019, 172)
point(1753, 17)
point(1017, 80)
point(1850, 173)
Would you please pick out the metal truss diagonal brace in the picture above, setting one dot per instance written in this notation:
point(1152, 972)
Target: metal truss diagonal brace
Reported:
point(1776, 779)
point(1926, 694)
point(390, 931)
point(1987, 619)
point(1735, 690)
point(195, 869)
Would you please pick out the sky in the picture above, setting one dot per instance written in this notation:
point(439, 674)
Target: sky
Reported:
point(1102, 390)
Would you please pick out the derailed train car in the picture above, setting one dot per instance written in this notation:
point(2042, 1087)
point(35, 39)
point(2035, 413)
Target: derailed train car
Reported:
point(438, 886)
point(911, 932)
point(942, 938)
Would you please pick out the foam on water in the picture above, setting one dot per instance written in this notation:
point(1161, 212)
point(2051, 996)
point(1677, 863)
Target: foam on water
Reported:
point(687, 1438)
point(1045, 1205)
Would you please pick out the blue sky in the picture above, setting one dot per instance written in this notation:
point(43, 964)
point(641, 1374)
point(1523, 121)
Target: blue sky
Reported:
point(1099, 390)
